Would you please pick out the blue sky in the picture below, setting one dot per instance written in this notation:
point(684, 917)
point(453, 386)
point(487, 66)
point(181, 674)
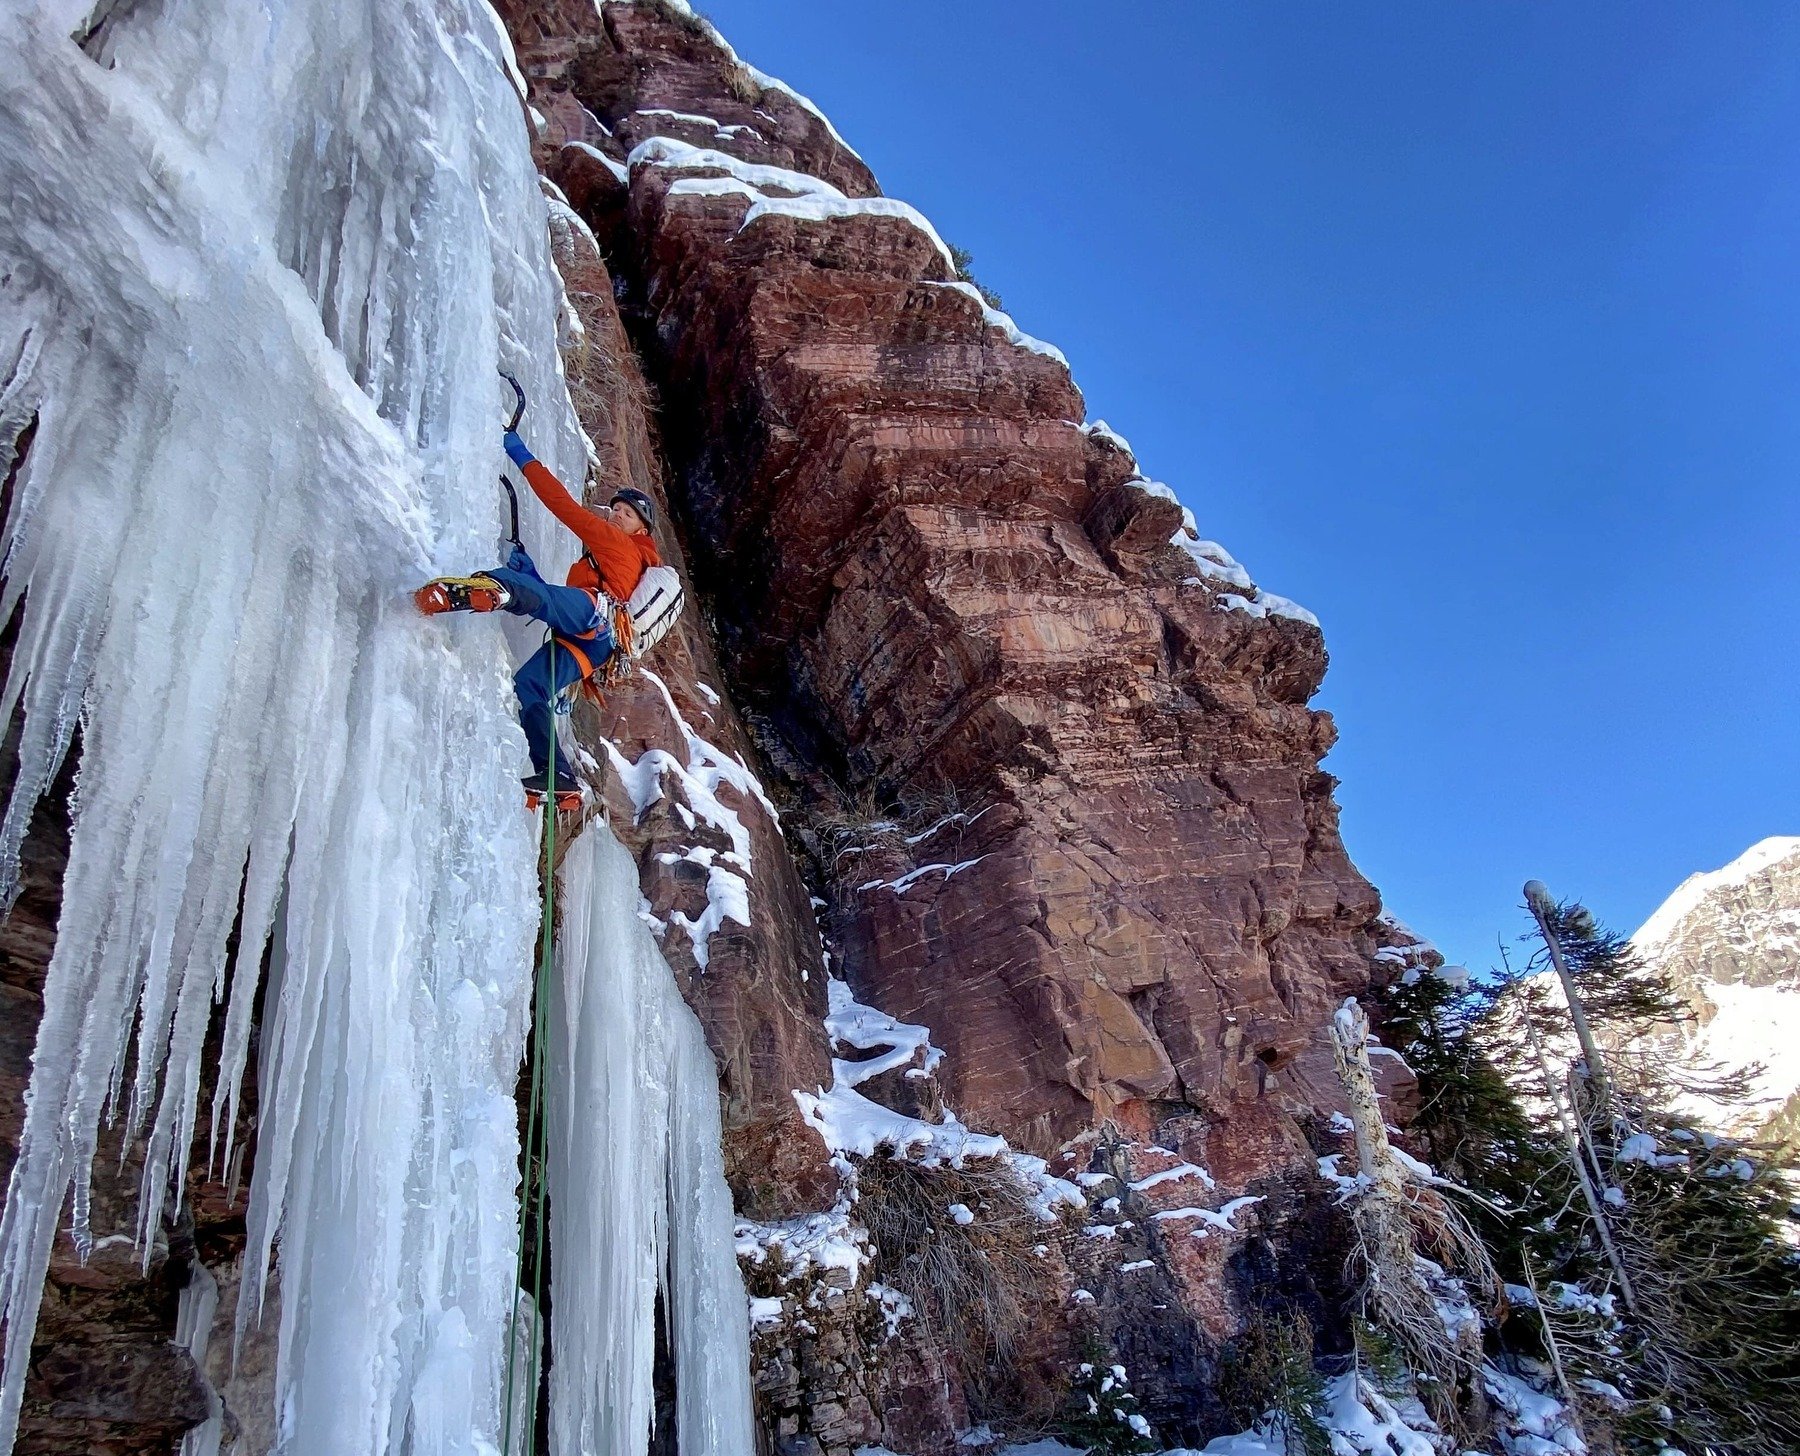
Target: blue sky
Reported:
point(1473, 327)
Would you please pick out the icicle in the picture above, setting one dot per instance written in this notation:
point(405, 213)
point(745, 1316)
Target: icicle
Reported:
point(256, 272)
point(637, 1189)
point(193, 1331)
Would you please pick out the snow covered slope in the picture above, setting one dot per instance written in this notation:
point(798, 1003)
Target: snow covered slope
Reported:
point(1730, 939)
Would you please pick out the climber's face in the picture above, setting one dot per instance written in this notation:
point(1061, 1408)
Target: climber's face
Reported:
point(627, 520)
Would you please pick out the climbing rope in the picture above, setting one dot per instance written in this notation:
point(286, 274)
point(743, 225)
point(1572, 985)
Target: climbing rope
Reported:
point(536, 1135)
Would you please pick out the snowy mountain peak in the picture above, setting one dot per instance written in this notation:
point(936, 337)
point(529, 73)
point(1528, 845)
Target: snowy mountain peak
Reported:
point(1729, 939)
point(1749, 893)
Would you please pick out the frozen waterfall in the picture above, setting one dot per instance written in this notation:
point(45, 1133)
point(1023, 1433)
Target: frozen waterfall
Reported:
point(637, 1186)
point(257, 266)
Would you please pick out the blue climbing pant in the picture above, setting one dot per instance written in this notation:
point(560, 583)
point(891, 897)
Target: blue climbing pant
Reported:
point(575, 623)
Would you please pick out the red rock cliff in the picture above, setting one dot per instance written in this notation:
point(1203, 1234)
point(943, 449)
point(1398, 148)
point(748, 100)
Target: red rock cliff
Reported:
point(1054, 772)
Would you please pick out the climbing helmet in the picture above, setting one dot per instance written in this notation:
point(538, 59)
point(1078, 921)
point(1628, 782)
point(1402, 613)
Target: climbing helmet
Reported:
point(639, 502)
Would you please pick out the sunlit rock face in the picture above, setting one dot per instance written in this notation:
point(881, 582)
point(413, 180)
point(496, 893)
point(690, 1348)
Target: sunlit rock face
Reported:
point(931, 580)
point(1113, 886)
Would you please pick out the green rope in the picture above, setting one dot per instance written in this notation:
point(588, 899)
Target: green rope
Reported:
point(536, 1133)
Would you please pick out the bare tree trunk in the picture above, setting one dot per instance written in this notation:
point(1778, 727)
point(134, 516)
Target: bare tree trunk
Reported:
point(1537, 898)
point(1395, 1289)
point(1551, 1344)
point(1577, 1158)
point(1374, 1153)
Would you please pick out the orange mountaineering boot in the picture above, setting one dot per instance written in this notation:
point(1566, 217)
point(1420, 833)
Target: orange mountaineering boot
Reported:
point(461, 594)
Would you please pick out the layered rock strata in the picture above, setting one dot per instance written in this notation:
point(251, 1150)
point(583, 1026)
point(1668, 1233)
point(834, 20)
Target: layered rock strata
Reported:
point(1053, 771)
point(931, 581)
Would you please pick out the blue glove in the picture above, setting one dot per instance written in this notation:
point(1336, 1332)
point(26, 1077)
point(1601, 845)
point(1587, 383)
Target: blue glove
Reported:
point(516, 451)
point(517, 560)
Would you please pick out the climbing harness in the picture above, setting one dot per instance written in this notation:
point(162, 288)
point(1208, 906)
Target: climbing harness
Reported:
point(536, 1143)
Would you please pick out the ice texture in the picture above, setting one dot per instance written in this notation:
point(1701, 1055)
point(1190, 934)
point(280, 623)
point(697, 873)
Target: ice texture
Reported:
point(257, 267)
point(637, 1186)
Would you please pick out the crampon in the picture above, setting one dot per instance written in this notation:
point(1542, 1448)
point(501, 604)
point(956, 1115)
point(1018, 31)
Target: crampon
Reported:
point(460, 594)
point(568, 794)
point(568, 801)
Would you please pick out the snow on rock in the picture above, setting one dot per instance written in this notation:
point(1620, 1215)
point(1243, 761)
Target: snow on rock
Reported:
point(1211, 1220)
point(1173, 1174)
point(638, 1201)
point(771, 191)
point(1360, 1415)
point(996, 319)
point(849, 1023)
point(1045, 1447)
point(278, 250)
point(711, 122)
point(896, 1308)
point(1212, 563)
point(854, 1124)
point(1267, 604)
point(1357, 1417)
point(777, 191)
point(708, 770)
point(912, 877)
point(813, 1242)
point(1533, 1423)
point(1100, 430)
point(760, 78)
point(1348, 1185)
point(616, 168)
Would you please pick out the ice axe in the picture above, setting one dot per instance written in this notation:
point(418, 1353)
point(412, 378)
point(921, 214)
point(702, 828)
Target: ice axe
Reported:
point(512, 496)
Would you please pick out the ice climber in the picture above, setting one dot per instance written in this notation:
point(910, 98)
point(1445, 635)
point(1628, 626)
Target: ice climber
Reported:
point(583, 616)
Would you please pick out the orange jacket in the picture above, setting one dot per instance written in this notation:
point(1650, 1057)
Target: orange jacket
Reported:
point(622, 558)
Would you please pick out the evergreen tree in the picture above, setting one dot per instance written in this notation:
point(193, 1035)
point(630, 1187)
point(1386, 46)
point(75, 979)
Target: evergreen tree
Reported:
point(1103, 1415)
point(1596, 1186)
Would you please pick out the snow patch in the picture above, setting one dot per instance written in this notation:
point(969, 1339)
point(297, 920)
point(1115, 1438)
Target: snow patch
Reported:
point(912, 877)
point(1212, 1220)
point(853, 1124)
point(1173, 1174)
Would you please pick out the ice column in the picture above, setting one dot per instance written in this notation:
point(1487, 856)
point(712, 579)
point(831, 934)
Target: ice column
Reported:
point(638, 1199)
point(257, 266)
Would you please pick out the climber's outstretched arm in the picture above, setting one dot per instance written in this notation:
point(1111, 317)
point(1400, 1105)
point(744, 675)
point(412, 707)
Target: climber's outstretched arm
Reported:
point(551, 491)
point(610, 547)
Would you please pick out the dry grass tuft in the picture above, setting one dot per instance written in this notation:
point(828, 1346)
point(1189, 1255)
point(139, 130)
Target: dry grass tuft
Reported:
point(973, 1286)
